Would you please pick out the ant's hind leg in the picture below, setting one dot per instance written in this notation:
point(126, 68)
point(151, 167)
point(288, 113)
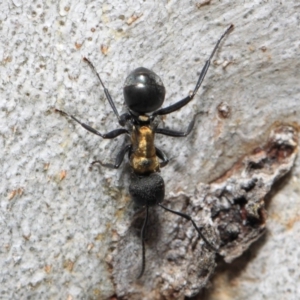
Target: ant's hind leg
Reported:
point(161, 155)
point(187, 217)
point(143, 243)
point(119, 159)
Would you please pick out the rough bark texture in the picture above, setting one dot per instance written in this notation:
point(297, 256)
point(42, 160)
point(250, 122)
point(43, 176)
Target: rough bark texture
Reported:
point(231, 211)
point(69, 231)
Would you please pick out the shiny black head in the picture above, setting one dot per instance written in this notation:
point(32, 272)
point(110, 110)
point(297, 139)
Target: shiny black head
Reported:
point(147, 190)
point(143, 91)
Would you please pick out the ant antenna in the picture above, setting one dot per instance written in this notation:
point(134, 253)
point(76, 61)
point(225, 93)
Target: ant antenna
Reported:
point(107, 94)
point(207, 63)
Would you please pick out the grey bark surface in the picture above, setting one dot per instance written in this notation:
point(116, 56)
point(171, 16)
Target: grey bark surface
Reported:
point(69, 231)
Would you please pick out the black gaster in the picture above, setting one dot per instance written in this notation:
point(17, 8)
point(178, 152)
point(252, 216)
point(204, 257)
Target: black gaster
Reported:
point(147, 190)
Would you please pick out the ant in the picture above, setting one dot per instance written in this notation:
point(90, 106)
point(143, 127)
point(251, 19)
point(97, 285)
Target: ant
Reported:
point(144, 94)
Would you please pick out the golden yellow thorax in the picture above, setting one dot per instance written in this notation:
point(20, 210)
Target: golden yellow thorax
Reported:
point(143, 158)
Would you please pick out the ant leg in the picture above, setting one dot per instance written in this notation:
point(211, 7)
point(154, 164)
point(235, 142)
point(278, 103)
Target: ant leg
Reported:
point(175, 133)
point(110, 135)
point(107, 94)
point(119, 159)
point(187, 217)
point(143, 244)
point(184, 101)
point(161, 155)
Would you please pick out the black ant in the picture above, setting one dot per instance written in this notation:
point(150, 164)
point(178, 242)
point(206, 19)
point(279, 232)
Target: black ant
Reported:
point(144, 94)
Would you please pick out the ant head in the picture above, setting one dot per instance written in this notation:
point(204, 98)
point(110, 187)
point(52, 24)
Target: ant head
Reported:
point(143, 91)
point(147, 190)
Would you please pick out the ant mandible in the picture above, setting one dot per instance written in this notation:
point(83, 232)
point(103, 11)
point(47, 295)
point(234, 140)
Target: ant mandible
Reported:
point(144, 94)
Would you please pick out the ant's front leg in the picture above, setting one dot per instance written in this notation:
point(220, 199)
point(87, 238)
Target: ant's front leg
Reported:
point(176, 133)
point(110, 135)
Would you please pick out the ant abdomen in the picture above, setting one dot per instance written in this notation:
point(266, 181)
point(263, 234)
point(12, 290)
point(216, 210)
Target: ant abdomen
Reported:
point(147, 190)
